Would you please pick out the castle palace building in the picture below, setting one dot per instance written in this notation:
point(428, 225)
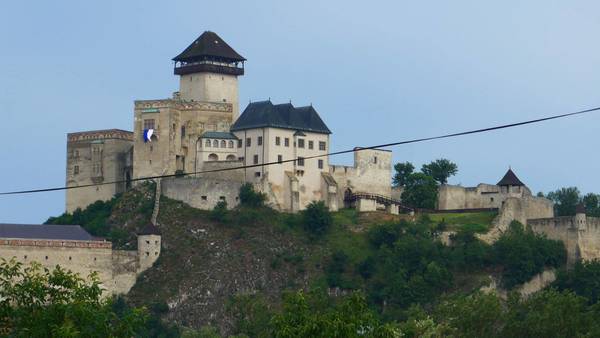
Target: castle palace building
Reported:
point(199, 135)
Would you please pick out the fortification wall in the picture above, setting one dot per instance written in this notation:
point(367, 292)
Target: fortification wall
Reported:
point(125, 266)
point(559, 228)
point(589, 239)
point(518, 209)
point(371, 173)
point(202, 193)
point(235, 175)
point(484, 196)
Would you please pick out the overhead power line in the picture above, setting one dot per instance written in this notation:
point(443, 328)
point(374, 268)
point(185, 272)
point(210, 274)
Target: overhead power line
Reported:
point(379, 146)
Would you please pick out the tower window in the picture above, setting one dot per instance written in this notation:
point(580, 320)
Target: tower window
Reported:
point(300, 143)
point(260, 141)
point(76, 170)
point(255, 159)
point(204, 198)
point(287, 142)
point(149, 124)
point(320, 164)
point(277, 141)
point(375, 159)
point(311, 144)
point(248, 142)
point(322, 145)
point(182, 131)
point(279, 158)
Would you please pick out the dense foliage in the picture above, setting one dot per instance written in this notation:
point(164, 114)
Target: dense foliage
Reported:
point(583, 279)
point(420, 191)
point(38, 302)
point(402, 171)
point(316, 218)
point(440, 169)
point(251, 198)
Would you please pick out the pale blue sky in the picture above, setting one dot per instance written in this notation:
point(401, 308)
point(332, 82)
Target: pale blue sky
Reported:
point(377, 72)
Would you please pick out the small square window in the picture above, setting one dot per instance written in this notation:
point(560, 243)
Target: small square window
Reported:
point(257, 174)
point(222, 198)
point(204, 198)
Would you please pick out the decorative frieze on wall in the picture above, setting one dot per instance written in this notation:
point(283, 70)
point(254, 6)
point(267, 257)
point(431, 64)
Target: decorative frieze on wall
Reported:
point(184, 105)
point(100, 135)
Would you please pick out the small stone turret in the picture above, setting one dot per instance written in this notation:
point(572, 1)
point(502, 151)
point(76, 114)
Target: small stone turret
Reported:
point(580, 217)
point(149, 242)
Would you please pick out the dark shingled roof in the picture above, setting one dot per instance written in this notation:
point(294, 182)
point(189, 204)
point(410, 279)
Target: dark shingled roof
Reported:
point(45, 231)
point(286, 116)
point(209, 46)
point(150, 229)
point(510, 179)
point(580, 208)
point(219, 135)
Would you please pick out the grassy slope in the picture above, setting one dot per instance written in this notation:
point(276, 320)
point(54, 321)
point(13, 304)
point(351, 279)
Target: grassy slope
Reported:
point(479, 221)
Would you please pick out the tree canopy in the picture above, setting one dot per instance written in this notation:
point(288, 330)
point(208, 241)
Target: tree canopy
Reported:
point(440, 169)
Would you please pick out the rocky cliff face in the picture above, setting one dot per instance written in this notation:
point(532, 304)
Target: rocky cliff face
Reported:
point(204, 264)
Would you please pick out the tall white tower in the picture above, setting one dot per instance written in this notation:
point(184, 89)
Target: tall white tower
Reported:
point(208, 70)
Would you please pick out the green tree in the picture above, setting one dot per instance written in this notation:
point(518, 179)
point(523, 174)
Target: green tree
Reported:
point(403, 170)
point(251, 198)
point(592, 204)
point(583, 279)
point(420, 191)
point(565, 200)
point(36, 302)
point(440, 169)
point(316, 218)
point(477, 315)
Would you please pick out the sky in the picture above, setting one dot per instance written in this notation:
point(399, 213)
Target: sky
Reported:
point(376, 71)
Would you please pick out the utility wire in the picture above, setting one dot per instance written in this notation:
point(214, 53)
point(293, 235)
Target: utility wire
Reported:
point(386, 145)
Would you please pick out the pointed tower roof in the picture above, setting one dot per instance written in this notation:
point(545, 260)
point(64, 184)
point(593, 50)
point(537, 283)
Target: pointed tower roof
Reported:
point(510, 179)
point(149, 229)
point(580, 208)
point(209, 46)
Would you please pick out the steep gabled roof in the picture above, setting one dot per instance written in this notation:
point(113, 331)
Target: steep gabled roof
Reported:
point(510, 179)
point(45, 231)
point(209, 45)
point(149, 229)
point(286, 116)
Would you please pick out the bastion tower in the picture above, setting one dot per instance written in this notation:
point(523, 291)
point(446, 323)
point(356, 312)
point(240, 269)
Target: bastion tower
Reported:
point(167, 131)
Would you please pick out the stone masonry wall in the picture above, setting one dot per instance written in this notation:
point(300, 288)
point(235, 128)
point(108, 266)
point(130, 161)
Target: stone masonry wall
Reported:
point(202, 193)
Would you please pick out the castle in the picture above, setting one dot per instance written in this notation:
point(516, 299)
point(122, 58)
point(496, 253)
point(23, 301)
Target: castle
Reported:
point(200, 133)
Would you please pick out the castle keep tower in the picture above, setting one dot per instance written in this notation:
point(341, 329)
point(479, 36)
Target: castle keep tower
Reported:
point(168, 131)
point(208, 71)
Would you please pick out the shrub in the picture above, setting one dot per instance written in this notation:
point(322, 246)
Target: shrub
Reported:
point(251, 198)
point(316, 218)
point(219, 212)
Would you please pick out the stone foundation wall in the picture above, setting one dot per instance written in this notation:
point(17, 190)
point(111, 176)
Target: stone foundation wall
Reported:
point(202, 193)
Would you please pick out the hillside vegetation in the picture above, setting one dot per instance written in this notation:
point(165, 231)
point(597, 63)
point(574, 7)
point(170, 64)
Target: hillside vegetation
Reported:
point(253, 271)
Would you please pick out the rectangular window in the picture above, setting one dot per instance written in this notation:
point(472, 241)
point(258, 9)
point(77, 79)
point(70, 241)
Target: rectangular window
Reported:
point(76, 170)
point(149, 124)
point(279, 158)
point(248, 142)
point(300, 143)
point(286, 142)
point(257, 174)
point(322, 145)
point(260, 141)
point(311, 144)
point(239, 143)
point(182, 131)
point(301, 161)
point(320, 164)
point(255, 159)
point(277, 141)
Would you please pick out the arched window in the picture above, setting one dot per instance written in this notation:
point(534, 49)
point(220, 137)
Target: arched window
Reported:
point(223, 145)
point(207, 144)
point(231, 157)
point(213, 157)
point(230, 144)
point(216, 144)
